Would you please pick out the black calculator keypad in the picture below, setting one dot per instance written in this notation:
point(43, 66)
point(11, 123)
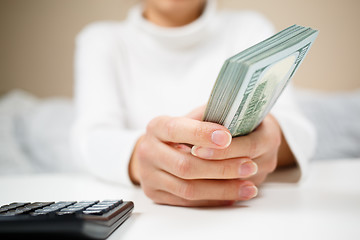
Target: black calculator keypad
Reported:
point(82, 219)
point(21, 208)
point(59, 208)
point(51, 208)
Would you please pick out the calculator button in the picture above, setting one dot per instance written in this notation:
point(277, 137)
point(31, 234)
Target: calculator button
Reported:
point(38, 213)
point(57, 206)
point(37, 205)
point(112, 202)
point(88, 203)
point(48, 209)
point(9, 213)
point(93, 212)
point(43, 211)
point(64, 204)
point(81, 205)
point(65, 213)
point(13, 205)
point(21, 210)
point(96, 207)
point(73, 209)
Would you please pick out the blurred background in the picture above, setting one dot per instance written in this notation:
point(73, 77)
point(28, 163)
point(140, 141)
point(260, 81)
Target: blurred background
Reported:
point(37, 40)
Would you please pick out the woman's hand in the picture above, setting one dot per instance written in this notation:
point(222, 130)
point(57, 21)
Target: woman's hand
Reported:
point(169, 174)
point(218, 170)
point(261, 146)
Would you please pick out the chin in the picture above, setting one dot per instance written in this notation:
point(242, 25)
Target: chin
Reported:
point(174, 5)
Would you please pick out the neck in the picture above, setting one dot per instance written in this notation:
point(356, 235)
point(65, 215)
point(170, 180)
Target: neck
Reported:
point(172, 18)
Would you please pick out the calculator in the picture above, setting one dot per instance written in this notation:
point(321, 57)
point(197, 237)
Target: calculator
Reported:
point(63, 219)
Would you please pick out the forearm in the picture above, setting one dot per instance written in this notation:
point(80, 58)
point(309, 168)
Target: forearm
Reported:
point(285, 157)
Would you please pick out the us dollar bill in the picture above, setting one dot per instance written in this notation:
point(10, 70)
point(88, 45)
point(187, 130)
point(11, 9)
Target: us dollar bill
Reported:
point(250, 82)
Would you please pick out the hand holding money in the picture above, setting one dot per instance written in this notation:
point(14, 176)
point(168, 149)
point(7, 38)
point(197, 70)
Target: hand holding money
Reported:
point(219, 169)
point(169, 174)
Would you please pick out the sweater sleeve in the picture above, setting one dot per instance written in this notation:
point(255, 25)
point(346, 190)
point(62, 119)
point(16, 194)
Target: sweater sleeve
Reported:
point(298, 131)
point(101, 141)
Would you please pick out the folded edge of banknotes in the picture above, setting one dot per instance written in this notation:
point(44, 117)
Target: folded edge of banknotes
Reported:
point(250, 82)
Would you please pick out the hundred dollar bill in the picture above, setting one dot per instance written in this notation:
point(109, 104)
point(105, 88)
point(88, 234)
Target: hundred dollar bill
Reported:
point(250, 82)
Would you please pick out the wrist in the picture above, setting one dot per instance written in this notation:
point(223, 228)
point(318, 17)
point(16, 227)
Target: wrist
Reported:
point(285, 156)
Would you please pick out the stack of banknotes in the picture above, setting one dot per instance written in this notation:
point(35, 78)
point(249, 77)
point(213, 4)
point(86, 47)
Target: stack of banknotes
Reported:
point(250, 82)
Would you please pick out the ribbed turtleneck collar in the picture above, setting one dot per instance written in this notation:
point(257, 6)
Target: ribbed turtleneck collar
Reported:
point(176, 37)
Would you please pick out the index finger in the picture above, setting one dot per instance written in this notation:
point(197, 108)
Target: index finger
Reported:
point(190, 131)
point(243, 146)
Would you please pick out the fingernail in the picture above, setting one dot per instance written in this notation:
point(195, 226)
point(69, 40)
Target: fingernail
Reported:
point(202, 152)
point(248, 192)
point(221, 138)
point(194, 150)
point(248, 169)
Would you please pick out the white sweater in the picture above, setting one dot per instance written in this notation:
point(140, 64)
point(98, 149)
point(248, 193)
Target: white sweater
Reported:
point(130, 72)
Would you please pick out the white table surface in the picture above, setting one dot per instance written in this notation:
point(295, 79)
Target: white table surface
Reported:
point(326, 205)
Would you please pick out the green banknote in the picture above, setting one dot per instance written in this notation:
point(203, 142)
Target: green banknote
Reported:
point(250, 82)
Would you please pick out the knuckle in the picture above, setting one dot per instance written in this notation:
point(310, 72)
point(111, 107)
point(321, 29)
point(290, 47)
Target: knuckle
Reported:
point(225, 170)
point(187, 190)
point(198, 131)
point(152, 124)
point(155, 123)
point(143, 150)
point(171, 125)
point(183, 167)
